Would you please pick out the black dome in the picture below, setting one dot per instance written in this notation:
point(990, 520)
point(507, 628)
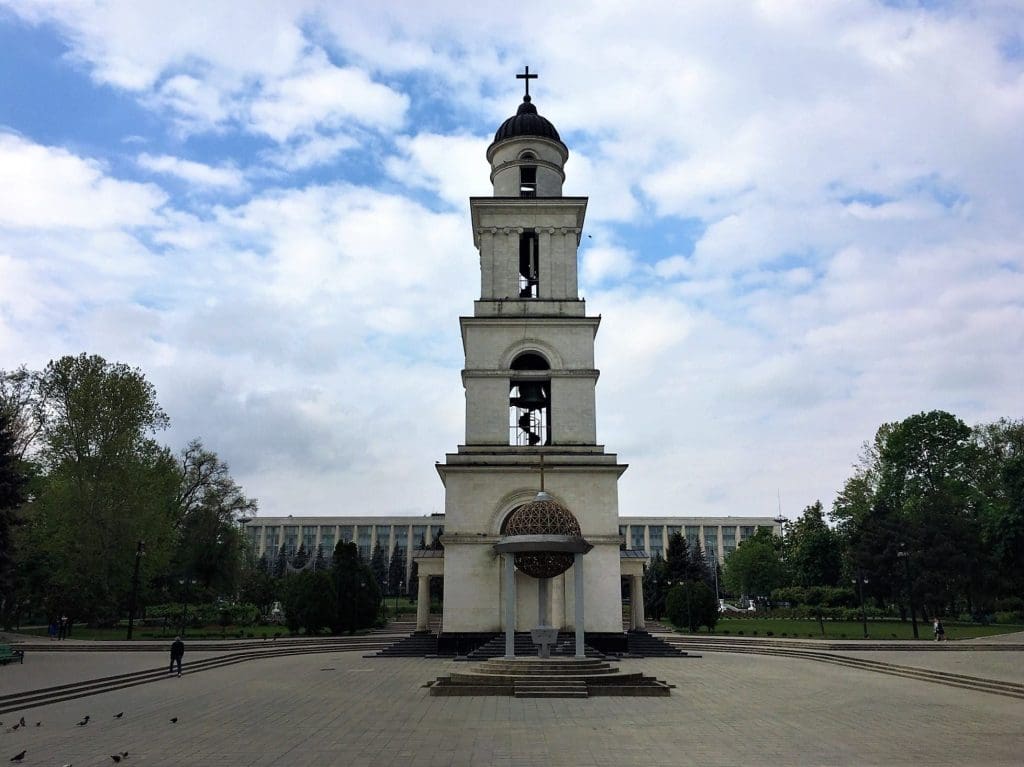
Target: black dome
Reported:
point(526, 122)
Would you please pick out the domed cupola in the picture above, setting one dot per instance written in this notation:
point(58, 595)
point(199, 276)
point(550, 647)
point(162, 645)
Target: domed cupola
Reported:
point(527, 122)
point(527, 155)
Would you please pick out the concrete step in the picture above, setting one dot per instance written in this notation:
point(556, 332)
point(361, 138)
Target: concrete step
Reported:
point(549, 689)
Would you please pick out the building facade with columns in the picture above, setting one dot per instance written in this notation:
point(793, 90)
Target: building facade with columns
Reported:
point(718, 536)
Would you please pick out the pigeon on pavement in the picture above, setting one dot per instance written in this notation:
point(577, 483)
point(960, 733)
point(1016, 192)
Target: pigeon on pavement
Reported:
point(84, 722)
point(118, 716)
point(174, 719)
point(18, 757)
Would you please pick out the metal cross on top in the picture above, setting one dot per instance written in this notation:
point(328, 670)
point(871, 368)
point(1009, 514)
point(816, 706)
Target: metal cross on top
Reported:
point(527, 77)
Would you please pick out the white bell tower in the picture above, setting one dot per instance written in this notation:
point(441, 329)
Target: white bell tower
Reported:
point(530, 383)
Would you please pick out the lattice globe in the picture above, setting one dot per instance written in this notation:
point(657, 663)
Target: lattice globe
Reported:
point(543, 516)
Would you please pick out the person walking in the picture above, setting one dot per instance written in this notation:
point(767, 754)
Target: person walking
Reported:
point(62, 628)
point(940, 631)
point(177, 653)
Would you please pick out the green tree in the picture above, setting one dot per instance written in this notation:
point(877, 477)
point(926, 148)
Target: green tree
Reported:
point(210, 504)
point(301, 557)
point(396, 571)
point(280, 562)
point(692, 604)
point(755, 567)
point(108, 484)
point(656, 584)
point(679, 567)
point(357, 596)
point(309, 601)
point(379, 567)
point(12, 496)
point(812, 550)
point(1001, 481)
point(258, 585)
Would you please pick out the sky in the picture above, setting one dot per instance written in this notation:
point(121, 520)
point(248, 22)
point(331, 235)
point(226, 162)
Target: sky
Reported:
point(806, 219)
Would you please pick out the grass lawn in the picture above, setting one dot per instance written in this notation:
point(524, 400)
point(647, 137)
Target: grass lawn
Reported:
point(809, 629)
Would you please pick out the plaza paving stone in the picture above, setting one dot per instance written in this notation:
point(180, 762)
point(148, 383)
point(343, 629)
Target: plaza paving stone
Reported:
point(341, 708)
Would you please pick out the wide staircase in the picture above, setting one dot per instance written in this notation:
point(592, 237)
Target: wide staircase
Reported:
point(640, 644)
point(565, 647)
point(556, 677)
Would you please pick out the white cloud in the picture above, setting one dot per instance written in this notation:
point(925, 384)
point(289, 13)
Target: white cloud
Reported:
point(857, 257)
point(319, 94)
point(196, 173)
point(452, 167)
point(49, 187)
point(310, 151)
point(601, 263)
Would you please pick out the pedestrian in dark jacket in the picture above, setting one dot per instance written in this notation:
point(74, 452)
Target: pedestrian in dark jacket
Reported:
point(177, 653)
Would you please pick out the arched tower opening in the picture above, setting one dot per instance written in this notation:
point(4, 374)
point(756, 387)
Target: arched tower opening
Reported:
point(529, 400)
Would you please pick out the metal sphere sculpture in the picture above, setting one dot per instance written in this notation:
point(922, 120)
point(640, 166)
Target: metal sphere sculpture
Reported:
point(543, 516)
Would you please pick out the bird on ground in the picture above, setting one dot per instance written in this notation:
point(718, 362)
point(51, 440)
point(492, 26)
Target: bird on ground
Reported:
point(18, 757)
point(21, 721)
point(116, 758)
point(118, 716)
point(174, 719)
point(14, 728)
point(39, 724)
point(84, 722)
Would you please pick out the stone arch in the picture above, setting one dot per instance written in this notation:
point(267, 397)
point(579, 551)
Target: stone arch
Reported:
point(534, 345)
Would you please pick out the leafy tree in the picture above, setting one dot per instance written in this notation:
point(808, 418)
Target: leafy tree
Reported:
point(309, 601)
point(281, 562)
point(18, 397)
point(108, 484)
point(699, 568)
point(210, 505)
point(678, 565)
point(259, 586)
point(812, 550)
point(755, 567)
point(692, 604)
point(1000, 479)
point(357, 596)
point(12, 483)
point(656, 584)
point(379, 567)
point(319, 562)
point(396, 571)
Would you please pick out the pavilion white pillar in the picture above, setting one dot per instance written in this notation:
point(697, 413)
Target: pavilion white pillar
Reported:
point(423, 603)
point(510, 606)
point(578, 578)
point(636, 598)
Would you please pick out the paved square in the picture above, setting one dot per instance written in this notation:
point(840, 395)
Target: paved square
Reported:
point(341, 708)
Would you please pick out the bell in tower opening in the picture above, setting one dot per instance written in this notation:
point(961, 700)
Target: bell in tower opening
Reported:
point(529, 401)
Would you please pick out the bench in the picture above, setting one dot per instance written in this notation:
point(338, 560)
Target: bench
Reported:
point(8, 655)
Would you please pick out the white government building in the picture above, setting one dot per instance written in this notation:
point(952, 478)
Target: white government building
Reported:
point(530, 381)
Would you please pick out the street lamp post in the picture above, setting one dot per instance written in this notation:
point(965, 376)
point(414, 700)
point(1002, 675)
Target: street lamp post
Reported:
point(860, 580)
point(905, 556)
point(140, 551)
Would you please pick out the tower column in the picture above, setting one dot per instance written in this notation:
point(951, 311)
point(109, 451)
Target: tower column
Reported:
point(577, 566)
point(423, 603)
point(636, 599)
point(510, 605)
